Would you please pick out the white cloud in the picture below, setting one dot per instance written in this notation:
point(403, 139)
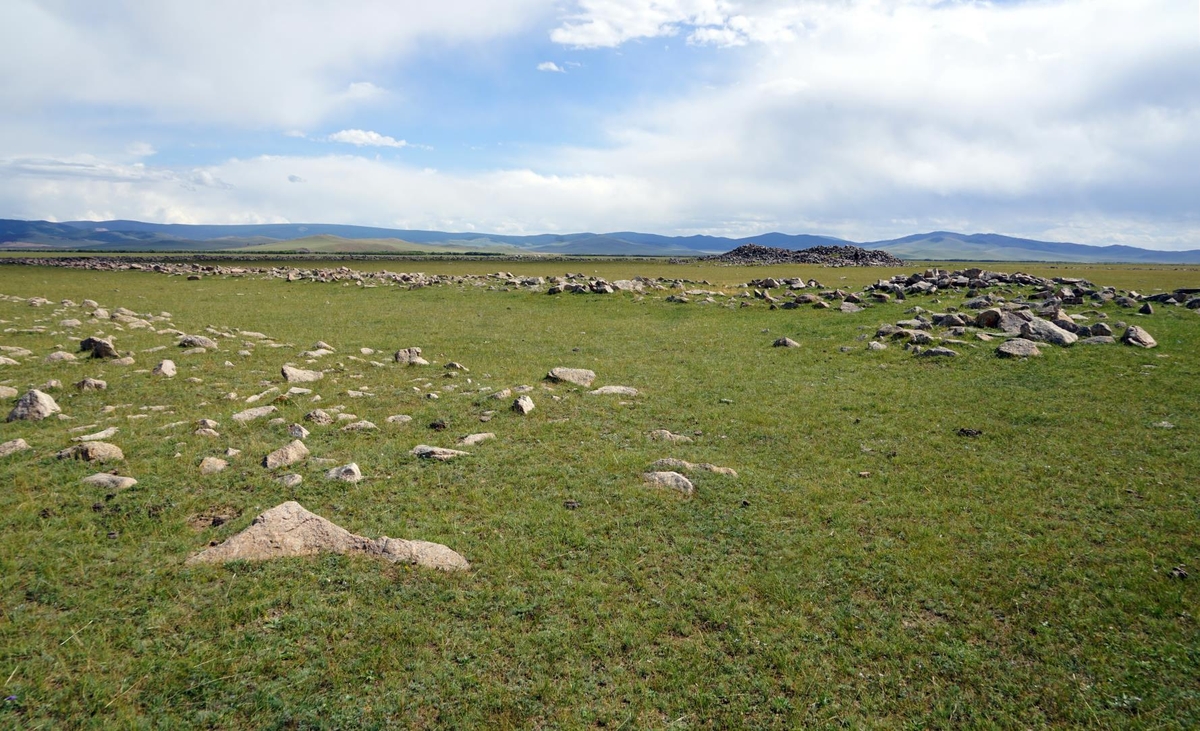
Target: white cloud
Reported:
point(551, 66)
point(366, 138)
point(296, 179)
point(140, 149)
point(228, 62)
point(609, 23)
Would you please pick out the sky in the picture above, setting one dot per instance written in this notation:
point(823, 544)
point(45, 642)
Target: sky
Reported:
point(1065, 120)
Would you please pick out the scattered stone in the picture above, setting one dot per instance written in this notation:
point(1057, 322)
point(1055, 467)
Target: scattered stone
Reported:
point(299, 375)
point(206, 432)
point(1044, 330)
point(8, 392)
point(59, 356)
point(165, 369)
point(399, 419)
point(98, 436)
point(571, 504)
point(35, 405)
point(319, 416)
point(523, 405)
point(363, 425)
point(454, 366)
point(1163, 425)
point(286, 455)
point(938, 352)
point(786, 343)
point(1146, 309)
point(51, 385)
point(231, 452)
point(126, 361)
point(501, 394)
point(614, 391)
point(965, 432)
point(257, 412)
point(197, 341)
point(578, 376)
point(662, 435)
point(291, 479)
point(670, 463)
point(295, 431)
point(99, 452)
point(1098, 340)
point(1018, 348)
point(876, 345)
point(410, 356)
point(472, 439)
point(672, 480)
point(1138, 337)
point(92, 384)
point(108, 481)
point(12, 447)
point(345, 473)
point(212, 465)
point(290, 530)
point(439, 453)
point(99, 347)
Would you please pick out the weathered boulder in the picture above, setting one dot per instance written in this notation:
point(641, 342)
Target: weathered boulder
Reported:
point(1138, 337)
point(663, 435)
point(672, 480)
point(614, 391)
point(409, 356)
point(673, 464)
point(1017, 348)
point(362, 425)
point(1046, 331)
point(286, 455)
point(59, 356)
point(98, 436)
point(166, 369)
point(99, 452)
point(257, 412)
point(107, 481)
point(1098, 340)
point(319, 416)
point(345, 473)
point(440, 454)
point(197, 341)
point(578, 376)
point(13, 446)
point(99, 347)
point(472, 439)
point(212, 465)
point(296, 431)
point(938, 352)
point(785, 343)
point(290, 530)
point(92, 384)
point(34, 405)
point(300, 375)
point(523, 405)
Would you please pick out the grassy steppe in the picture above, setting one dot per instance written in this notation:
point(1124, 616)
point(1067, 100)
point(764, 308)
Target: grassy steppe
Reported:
point(1016, 580)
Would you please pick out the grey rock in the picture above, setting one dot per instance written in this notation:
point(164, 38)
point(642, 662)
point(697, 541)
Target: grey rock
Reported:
point(291, 479)
point(938, 352)
point(578, 376)
point(212, 465)
point(319, 416)
point(106, 481)
point(614, 391)
point(166, 369)
point(1138, 337)
point(1045, 331)
point(1098, 340)
point(523, 405)
point(300, 375)
point(286, 455)
point(12, 447)
point(99, 452)
point(1018, 348)
point(785, 343)
point(197, 341)
point(440, 454)
point(249, 415)
point(672, 480)
point(662, 435)
point(473, 439)
point(34, 405)
point(345, 473)
point(91, 384)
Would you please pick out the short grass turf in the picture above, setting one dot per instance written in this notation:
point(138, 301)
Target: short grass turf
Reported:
point(1019, 579)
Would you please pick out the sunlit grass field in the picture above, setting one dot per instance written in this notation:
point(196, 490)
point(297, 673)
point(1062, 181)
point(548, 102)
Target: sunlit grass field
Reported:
point(1019, 579)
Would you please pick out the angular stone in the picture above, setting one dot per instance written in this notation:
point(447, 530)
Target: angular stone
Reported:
point(13, 446)
point(295, 431)
point(1044, 330)
point(662, 435)
point(409, 356)
point(399, 419)
point(98, 436)
point(33, 406)
point(441, 454)
point(290, 530)
point(523, 405)
point(1018, 348)
point(212, 465)
point(99, 347)
point(99, 452)
point(785, 343)
point(1138, 337)
point(1098, 340)
point(286, 455)
point(938, 352)
point(257, 412)
point(472, 439)
point(291, 479)
point(363, 425)
point(197, 341)
point(91, 384)
point(300, 375)
point(165, 369)
point(578, 376)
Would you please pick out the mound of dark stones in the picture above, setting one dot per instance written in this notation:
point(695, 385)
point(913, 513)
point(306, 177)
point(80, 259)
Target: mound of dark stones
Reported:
point(829, 256)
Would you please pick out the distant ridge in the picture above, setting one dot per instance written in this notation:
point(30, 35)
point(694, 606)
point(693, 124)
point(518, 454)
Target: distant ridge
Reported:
point(138, 236)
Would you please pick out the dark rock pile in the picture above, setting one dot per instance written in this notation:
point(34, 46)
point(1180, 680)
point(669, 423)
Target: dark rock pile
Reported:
point(829, 256)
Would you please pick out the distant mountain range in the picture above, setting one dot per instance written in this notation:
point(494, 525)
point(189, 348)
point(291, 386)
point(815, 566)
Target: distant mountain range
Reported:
point(136, 236)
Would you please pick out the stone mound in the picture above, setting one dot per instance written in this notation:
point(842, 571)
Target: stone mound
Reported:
point(290, 530)
point(830, 256)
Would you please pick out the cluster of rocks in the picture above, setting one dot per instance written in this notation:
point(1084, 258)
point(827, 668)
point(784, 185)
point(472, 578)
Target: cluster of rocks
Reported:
point(828, 256)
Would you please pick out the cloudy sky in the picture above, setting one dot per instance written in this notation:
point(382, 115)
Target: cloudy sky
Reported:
point(1074, 120)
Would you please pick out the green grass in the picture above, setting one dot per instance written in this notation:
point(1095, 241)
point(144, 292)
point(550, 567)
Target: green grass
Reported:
point(1020, 579)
